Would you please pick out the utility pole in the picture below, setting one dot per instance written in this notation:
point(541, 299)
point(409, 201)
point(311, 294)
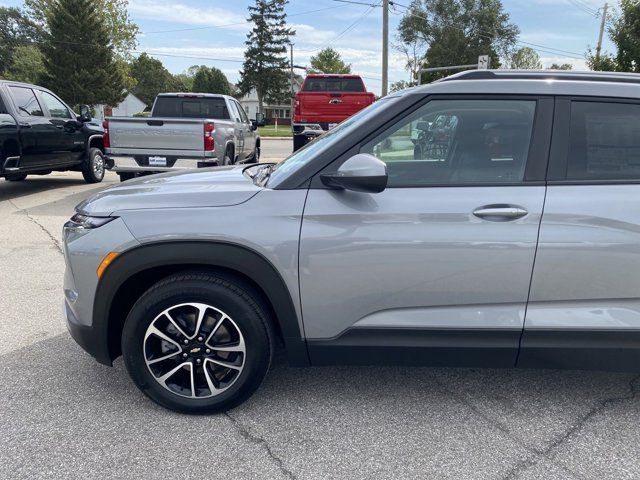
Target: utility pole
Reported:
point(602, 23)
point(385, 47)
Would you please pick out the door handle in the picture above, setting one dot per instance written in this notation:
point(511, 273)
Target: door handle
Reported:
point(24, 125)
point(500, 212)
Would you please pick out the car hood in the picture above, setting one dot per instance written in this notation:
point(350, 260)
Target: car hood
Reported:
point(210, 187)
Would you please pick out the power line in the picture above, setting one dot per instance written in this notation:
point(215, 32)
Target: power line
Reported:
point(580, 5)
point(346, 30)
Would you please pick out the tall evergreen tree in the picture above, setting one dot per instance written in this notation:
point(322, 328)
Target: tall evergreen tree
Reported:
point(79, 61)
point(265, 65)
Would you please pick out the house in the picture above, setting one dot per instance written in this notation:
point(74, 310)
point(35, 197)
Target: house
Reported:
point(281, 112)
point(127, 108)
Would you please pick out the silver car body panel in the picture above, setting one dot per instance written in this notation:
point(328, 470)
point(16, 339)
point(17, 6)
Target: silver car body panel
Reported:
point(587, 271)
point(367, 258)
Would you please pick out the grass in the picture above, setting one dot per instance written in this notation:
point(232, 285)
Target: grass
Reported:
point(270, 131)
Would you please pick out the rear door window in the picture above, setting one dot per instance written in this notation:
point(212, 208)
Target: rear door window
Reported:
point(604, 141)
point(333, 85)
point(191, 107)
point(26, 102)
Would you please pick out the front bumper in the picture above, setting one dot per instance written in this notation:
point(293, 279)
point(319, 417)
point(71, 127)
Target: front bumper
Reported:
point(88, 337)
point(309, 129)
point(83, 253)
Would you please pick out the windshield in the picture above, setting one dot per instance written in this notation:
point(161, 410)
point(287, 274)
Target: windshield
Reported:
point(299, 158)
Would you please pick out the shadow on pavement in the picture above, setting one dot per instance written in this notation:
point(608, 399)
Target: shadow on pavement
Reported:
point(35, 184)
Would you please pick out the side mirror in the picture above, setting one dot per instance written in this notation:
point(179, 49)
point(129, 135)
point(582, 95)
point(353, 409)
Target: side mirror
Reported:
point(260, 120)
point(85, 113)
point(361, 173)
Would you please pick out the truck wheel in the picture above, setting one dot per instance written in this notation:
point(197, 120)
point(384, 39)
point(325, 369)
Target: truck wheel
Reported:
point(228, 156)
point(124, 176)
point(299, 141)
point(198, 343)
point(18, 177)
point(93, 170)
point(255, 158)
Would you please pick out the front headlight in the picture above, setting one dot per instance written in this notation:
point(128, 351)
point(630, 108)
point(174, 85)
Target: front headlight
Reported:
point(81, 221)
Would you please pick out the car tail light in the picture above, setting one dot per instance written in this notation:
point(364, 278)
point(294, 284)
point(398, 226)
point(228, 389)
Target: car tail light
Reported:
point(209, 145)
point(106, 141)
point(296, 106)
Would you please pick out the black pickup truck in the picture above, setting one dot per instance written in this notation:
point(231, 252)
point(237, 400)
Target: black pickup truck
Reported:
point(40, 134)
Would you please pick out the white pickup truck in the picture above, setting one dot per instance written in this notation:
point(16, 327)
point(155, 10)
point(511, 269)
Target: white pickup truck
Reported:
point(185, 130)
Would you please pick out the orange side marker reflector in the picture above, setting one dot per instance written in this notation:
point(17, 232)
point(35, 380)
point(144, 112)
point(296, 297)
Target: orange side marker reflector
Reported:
point(106, 261)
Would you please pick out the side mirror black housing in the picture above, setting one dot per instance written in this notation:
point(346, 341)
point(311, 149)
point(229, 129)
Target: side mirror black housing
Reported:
point(361, 173)
point(260, 121)
point(85, 113)
point(254, 125)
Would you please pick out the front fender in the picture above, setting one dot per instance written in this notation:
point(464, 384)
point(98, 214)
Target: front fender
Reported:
point(194, 254)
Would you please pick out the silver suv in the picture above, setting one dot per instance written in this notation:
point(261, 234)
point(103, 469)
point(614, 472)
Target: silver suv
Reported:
point(504, 232)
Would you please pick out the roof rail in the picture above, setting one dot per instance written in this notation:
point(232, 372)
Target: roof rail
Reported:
point(569, 75)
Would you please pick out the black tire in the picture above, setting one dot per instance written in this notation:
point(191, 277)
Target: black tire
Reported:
point(93, 169)
point(299, 141)
point(238, 301)
point(124, 176)
point(255, 157)
point(228, 156)
point(16, 177)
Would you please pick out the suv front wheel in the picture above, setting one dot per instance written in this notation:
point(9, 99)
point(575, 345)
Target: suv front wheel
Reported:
point(198, 343)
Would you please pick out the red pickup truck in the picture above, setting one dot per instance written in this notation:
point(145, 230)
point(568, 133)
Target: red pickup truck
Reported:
point(324, 101)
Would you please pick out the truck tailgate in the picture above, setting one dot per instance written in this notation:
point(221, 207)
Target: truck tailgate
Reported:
point(332, 107)
point(156, 133)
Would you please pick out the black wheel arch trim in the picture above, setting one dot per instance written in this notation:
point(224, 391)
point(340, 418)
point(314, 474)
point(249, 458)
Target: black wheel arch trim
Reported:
point(196, 254)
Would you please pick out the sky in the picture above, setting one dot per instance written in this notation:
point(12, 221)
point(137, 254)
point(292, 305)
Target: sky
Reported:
point(182, 33)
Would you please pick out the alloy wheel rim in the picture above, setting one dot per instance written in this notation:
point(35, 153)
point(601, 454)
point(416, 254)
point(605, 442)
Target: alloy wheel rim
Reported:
point(98, 166)
point(194, 350)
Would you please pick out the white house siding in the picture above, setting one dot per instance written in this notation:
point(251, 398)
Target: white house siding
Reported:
point(128, 108)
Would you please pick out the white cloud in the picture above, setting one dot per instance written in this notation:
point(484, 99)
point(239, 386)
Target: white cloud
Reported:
point(184, 14)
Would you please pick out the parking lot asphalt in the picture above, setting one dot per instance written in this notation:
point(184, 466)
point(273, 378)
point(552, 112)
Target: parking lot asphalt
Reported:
point(65, 416)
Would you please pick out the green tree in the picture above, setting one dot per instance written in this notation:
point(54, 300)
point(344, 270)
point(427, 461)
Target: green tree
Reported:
point(564, 66)
point(328, 60)
point(210, 80)
point(457, 32)
point(121, 29)
point(525, 58)
point(265, 60)
point(16, 30)
point(78, 57)
point(26, 66)
point(151, 78)
point(399, 85)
